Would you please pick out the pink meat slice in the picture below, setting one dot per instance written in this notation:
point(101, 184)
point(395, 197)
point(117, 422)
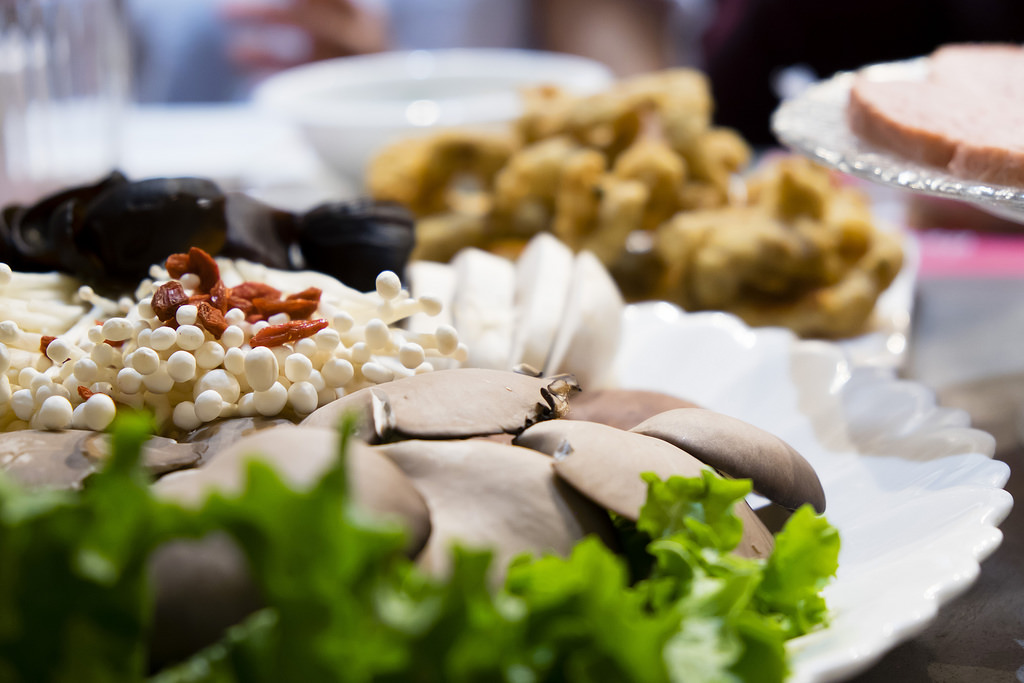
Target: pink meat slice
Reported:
point(968, 116)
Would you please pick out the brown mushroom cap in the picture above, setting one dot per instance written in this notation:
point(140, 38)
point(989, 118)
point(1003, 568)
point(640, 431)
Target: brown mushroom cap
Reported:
point(622, 408)
point(451, 404)
point(63, 459)
point(201, 588)
point(741, 450)
point(605, 464)
point(486, 494)
point(216, 436)
point(302, 455)
point(369, 406)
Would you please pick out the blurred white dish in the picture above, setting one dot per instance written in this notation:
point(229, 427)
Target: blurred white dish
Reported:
point(912, 488)
point(349, 107)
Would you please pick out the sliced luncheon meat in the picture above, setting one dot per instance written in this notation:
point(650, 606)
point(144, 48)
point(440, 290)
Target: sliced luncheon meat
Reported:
point(967, 116)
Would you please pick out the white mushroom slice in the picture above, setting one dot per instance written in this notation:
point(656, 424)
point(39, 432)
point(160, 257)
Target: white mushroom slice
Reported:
point(451, 404)
point(302, 455)
point(605, 464)
point(741, 450)
point(486, 494)
point(543, 274)
point(592, 322)
point(484, 307)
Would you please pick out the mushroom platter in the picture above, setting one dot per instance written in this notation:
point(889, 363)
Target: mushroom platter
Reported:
point(238, 472)
point(462, 523)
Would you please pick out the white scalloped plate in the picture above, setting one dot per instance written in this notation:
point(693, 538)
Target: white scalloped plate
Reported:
point(912, 488)
point(814, 124)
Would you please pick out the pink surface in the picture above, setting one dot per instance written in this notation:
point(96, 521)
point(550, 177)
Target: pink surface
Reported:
point(946, 253)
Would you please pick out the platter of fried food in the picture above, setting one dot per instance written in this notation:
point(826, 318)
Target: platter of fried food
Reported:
point(672, 205)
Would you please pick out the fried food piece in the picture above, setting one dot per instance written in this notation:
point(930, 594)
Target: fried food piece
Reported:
point(579, 197)
point(682, 99)
point(715, 156)
point(526, 187)
point(610, 121)
point(840, 310)
point(545, 109)
point(804, 254)
point(621, 212)
point(418, 172)
point(441, 236)
point(650, 161)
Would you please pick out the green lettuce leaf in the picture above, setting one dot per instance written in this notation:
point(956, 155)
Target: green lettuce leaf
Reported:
point(343, 603)
point(73, 599)
point(805, 558)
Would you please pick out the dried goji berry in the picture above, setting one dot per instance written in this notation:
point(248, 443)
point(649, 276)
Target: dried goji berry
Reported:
point(250, 290)
point(288, 333)
point(244, 305)
point(219, 296)
point(166, 300)
point(176, 265)
point(211, 319)
point(85, 392)
point(202, 264)
point(44, 342)
point(295, 308)
point(310, 293)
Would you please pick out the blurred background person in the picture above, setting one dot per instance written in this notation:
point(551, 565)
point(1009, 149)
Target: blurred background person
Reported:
point(216, 50)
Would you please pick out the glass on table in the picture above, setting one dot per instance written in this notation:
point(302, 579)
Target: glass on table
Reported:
point(64, 84)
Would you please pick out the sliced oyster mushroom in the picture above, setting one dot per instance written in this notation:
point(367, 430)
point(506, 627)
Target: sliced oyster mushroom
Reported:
point(622, 408)
point(302, 455)
point(160, 455)
point(212, 438)
point(204, 586)
point(38, 459)
point(741, 450)
point(451, 404)
point(63, 459)
point(201, 588)
point(605, 464)
point(486, 494)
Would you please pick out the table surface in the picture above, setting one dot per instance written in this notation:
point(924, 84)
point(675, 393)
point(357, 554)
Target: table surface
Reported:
point(965, 344)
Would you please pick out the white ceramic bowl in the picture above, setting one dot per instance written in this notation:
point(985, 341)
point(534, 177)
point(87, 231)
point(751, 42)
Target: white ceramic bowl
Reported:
point(349, 107)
